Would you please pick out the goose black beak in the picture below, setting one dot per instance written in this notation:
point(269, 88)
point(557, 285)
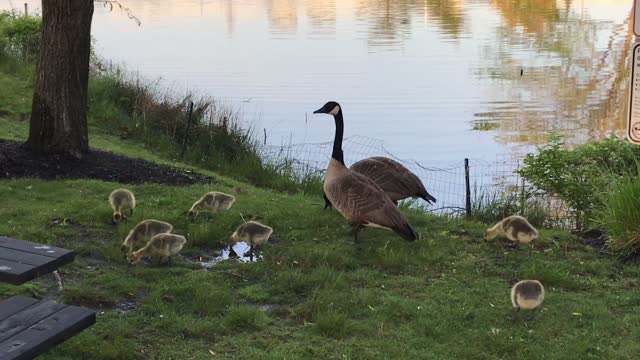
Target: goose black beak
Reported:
point(319, 111)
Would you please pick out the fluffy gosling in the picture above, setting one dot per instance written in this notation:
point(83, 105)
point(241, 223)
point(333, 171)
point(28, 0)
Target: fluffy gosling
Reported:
point(160, 245)
point(515, 228)
point(212, 201)
point(527, 295)
point(252, 233)
point(121, 199)
point(143, 232)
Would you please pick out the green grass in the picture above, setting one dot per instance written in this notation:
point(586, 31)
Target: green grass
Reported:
point(620, 215)
point(315, 294)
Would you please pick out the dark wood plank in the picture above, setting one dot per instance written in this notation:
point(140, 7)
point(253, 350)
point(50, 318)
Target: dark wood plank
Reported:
point(24, 257)
point(21, 261)
point(14, 304)
point(14, 273)
point(34, 248)
point(47, 333)
point(30, 316)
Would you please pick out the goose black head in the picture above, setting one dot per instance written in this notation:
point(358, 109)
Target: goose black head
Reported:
point(331, 108)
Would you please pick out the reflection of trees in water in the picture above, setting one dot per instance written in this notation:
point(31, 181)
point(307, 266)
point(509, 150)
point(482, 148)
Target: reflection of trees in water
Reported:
point(448, 14)
point(389, 21)
point(283, 16)
point(322, 16)
point(571, 85)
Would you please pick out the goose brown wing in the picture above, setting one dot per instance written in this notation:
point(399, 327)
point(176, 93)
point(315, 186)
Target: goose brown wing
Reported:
point(361, 200)
point(407, 179)
point(390, 176)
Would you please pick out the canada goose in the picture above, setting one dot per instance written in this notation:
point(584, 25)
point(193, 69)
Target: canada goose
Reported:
point(527, 295)
point(214, 201)
point(160, 245)
point(395, 179)
point(252, 233)
point(142, 232)
point(119, 200)
point(359, 199)
point(515, 228)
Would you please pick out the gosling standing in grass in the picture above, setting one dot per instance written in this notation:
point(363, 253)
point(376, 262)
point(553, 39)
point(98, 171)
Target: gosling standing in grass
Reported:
point(527, 295)
point(515, 228)
point(121, 199)
point(143, 232)
point(160, 245)
point(212, 201)
point(252, 233)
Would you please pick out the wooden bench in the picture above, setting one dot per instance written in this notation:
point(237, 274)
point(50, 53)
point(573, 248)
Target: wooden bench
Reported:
point(28, 327)
point(21, 261)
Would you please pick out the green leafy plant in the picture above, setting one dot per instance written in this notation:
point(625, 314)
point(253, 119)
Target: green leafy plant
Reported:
point(20, 35)
point(577, 175)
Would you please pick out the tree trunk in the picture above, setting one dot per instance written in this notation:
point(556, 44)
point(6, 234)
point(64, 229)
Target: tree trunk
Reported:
point(59, 110)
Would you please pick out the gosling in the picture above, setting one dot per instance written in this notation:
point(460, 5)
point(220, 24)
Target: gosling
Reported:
point(212, 201)
point(252, 233)
point(160, 245)
point(121, 199)
point(143, 232)
point(527, 295)
point(515, 228)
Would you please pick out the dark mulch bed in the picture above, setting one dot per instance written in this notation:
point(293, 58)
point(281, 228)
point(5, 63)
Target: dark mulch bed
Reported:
point(17, 161)
point(594, 238)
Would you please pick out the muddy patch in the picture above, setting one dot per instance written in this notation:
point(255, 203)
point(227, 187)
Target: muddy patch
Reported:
point(594, 238)
point(19, 162)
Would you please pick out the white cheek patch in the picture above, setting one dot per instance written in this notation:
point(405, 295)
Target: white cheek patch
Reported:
point(335, 110)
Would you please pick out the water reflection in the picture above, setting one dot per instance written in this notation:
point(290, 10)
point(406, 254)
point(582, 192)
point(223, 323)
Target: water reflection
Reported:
point(508, 70)
point(448, 14)
point(283, 16)
point(560, 79)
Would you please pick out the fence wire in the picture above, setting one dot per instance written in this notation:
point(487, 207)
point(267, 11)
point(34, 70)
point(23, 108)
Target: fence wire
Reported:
point(491, 183)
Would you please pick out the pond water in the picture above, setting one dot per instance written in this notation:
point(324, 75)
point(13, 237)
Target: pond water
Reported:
point(435, 80)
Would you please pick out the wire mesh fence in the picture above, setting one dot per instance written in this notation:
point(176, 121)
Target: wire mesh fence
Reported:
point(492, 190)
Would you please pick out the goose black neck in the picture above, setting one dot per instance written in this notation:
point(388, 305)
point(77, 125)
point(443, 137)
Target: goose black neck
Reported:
point(337, 141)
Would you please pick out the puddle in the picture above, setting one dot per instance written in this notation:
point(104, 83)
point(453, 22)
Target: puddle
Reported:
point(125, 305)
point(239, 248)
point(208, 262)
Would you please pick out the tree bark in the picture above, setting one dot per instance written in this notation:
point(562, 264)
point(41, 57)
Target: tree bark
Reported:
point(59, 110)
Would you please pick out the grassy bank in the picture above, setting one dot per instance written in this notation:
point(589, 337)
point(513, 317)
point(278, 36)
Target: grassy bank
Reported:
point(313, 294)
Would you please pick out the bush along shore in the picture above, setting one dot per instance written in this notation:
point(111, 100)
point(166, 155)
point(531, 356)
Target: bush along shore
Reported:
point(310, 293)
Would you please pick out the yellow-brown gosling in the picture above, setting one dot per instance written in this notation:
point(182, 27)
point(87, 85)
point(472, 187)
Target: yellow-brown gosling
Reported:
point(359, 199)
point(121, 199)
point(213, 201)
point(253, 233)
point(143, 232)
point(160, 245)
point(515, 228)
point(527, 295)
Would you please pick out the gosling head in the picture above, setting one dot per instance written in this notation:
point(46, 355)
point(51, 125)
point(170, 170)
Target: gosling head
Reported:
point(234, 238)
point(331, 108)
point(135, 257)
point(191, 213)
point(117, 216)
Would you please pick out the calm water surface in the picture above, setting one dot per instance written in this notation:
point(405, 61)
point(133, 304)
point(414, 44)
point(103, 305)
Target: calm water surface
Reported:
point(436, 80)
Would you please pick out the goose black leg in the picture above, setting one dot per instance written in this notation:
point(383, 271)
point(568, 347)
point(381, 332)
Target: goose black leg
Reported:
point(327, 203)
point(355, 230)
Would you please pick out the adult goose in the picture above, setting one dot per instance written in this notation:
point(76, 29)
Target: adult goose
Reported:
point(359, 199)
point(395, 179)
